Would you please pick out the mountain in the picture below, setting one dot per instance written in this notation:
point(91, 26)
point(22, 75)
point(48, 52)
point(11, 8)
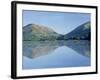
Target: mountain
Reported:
point(38, 32)
point(82, 32)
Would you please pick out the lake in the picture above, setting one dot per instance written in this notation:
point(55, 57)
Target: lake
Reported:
point(56, 54)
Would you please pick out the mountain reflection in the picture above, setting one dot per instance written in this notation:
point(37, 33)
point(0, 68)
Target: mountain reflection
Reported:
point(34, 49)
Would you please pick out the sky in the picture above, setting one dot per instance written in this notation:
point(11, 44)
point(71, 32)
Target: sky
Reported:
point(60, 22)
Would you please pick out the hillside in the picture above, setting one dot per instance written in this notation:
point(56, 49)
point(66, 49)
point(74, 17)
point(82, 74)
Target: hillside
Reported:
point(38, 32)
point(82, 32)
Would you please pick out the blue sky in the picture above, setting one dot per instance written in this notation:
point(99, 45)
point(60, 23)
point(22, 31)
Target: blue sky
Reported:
point(61, 22)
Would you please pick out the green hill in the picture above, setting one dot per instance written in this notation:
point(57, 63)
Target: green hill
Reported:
point(38, 32)
point(81, 32)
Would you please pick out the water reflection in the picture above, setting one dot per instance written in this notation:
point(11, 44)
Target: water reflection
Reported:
point(82, 47)
point(54, 54)
point(40, 48)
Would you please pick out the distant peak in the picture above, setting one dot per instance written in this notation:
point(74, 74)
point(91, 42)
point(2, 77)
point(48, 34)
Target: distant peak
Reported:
point(38, 26)
point(86, 22)
point(28, 25)
point(32, 24)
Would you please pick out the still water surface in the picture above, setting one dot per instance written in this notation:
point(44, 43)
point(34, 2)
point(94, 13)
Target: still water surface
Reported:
point(56, 54)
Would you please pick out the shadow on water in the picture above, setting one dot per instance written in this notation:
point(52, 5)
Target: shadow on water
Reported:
point(34, 49)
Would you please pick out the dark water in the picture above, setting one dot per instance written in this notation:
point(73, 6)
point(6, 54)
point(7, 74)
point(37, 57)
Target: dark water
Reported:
point(56, 54)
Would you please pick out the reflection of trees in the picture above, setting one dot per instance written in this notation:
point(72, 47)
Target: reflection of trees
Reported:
point(39, 48)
